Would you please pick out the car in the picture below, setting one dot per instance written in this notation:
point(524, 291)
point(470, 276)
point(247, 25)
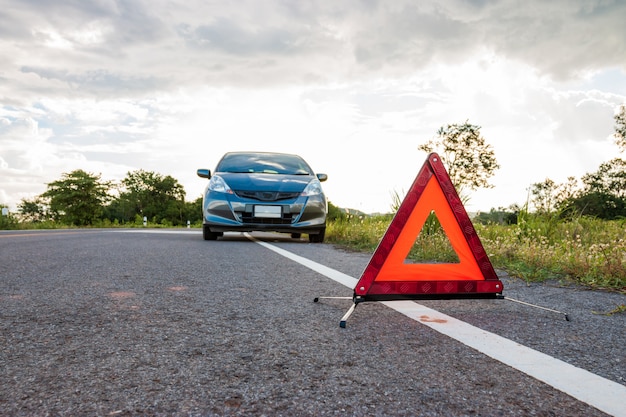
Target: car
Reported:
point(263, 191)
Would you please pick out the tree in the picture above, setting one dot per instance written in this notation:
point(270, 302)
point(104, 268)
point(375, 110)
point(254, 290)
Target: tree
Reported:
point(600, 205)
point(548, 196)
point(152, 195)
point(33, 210)
point(604, 192)
point(193, 210)
point(544, 196)
point(620, 128)
point(78, 198)
point(470, 161)
point(500, 216)
point(610, 179)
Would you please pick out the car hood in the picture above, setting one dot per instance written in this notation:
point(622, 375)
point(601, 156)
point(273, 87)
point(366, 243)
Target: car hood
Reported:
point(266, 182)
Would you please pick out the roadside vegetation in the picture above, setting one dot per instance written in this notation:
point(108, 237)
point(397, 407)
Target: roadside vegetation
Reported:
point(83, 199)
point(582, 250)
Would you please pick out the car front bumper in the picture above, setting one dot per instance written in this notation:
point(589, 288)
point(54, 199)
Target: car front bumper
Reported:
point(302, 215)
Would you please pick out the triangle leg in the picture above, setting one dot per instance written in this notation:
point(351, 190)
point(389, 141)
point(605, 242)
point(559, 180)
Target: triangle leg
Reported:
point(346, 316)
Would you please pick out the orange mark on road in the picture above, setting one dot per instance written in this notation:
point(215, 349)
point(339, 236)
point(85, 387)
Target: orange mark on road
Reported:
point(49, 233)
point(427, 319)
point(182, 288)
point(121, 294)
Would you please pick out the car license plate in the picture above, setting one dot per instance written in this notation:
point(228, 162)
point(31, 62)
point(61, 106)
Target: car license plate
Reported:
point(272, 212)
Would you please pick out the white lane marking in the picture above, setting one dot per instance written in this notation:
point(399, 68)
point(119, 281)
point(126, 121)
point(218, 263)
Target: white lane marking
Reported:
point(605, 395)
point(333, 274)
point(601, 393)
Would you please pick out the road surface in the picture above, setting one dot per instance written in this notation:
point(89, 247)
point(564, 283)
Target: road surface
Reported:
point(160, 322)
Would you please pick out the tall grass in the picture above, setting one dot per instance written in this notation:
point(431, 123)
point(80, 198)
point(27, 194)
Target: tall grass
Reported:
point(587, 251)
point(357, 232)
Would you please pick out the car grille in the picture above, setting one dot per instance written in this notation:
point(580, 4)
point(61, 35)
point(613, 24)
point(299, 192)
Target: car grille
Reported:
point(286, 218)
point(266, 195)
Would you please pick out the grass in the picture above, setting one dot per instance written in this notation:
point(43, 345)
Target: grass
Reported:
point(587, 251)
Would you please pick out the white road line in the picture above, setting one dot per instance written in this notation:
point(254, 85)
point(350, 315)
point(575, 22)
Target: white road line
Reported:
point(333, 274)
point(601, 393)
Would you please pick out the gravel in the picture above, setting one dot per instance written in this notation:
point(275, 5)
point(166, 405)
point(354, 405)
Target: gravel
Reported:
point(110, 323)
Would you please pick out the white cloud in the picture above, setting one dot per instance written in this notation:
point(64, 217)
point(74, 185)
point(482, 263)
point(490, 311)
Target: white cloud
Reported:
point(353, 86)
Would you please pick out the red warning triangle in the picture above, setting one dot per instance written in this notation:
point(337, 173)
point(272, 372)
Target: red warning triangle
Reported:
point(388, 277)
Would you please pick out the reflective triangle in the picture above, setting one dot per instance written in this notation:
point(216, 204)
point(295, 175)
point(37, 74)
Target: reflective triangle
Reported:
point(387, 276)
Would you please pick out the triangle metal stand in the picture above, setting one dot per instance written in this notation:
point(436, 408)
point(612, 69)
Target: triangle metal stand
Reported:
point(344, 319)
point(356, 300)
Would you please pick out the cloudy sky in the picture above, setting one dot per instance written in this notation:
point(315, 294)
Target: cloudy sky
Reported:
point(354, 87)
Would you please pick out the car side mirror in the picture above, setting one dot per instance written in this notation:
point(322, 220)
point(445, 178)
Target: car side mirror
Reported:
point(204, 173)
point(322, 177)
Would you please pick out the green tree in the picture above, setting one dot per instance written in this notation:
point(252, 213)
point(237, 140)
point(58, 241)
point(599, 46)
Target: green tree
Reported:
point(620, 128)
point(78, 198)
point(193, 210)
point(549, 197)
point(500, 216)
point(604, 192)
point(469, 159)
point(149, 194)
point(610, 179)
point(600, 205)
point(33, 211)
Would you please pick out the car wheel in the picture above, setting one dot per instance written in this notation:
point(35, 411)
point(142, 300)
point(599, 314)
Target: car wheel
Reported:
point(296, 235)
point(318, 238)
point(207, 234)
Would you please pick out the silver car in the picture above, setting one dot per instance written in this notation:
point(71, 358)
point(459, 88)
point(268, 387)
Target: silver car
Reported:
point(262, 191)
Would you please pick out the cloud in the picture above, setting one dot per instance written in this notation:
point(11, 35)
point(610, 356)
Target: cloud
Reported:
point(561, 38)
point(231, 38)
point(111, 86)
point(137, 46)
point(98, 83)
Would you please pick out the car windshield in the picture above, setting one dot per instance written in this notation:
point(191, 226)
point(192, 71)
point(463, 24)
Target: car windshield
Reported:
point(267, 163)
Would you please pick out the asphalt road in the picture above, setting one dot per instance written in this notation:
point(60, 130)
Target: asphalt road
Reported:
point(140, 322)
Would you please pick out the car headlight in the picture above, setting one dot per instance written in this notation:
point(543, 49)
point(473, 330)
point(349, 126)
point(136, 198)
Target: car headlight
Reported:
point(218, 185)
point(313, 188)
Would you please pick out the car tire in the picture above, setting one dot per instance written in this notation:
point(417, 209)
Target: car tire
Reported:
point(318, 238)
point(207, 234)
